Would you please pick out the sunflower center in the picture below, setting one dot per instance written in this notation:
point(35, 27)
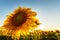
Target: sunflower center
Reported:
point(18, 19)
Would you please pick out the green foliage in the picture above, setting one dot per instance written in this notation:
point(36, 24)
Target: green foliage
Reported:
point(5, 37)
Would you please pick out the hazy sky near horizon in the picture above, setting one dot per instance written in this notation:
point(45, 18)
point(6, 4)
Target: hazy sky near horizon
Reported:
point(48, 11)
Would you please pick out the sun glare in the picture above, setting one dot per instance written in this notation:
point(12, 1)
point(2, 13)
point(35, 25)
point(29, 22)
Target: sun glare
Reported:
point(41, 27)
point(0, 26)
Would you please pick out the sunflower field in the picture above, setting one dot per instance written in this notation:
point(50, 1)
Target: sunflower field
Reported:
point(36, 35)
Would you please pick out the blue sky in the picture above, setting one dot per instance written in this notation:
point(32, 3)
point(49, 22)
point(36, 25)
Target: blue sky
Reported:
point(48, 11)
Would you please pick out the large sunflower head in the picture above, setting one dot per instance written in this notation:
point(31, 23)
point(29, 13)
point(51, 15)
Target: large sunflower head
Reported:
point(21, 20)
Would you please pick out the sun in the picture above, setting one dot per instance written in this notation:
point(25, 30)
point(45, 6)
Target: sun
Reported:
point(21, 21)
point(41, 27)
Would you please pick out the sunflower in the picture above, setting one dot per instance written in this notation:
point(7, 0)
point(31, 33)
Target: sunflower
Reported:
point(21, 21)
